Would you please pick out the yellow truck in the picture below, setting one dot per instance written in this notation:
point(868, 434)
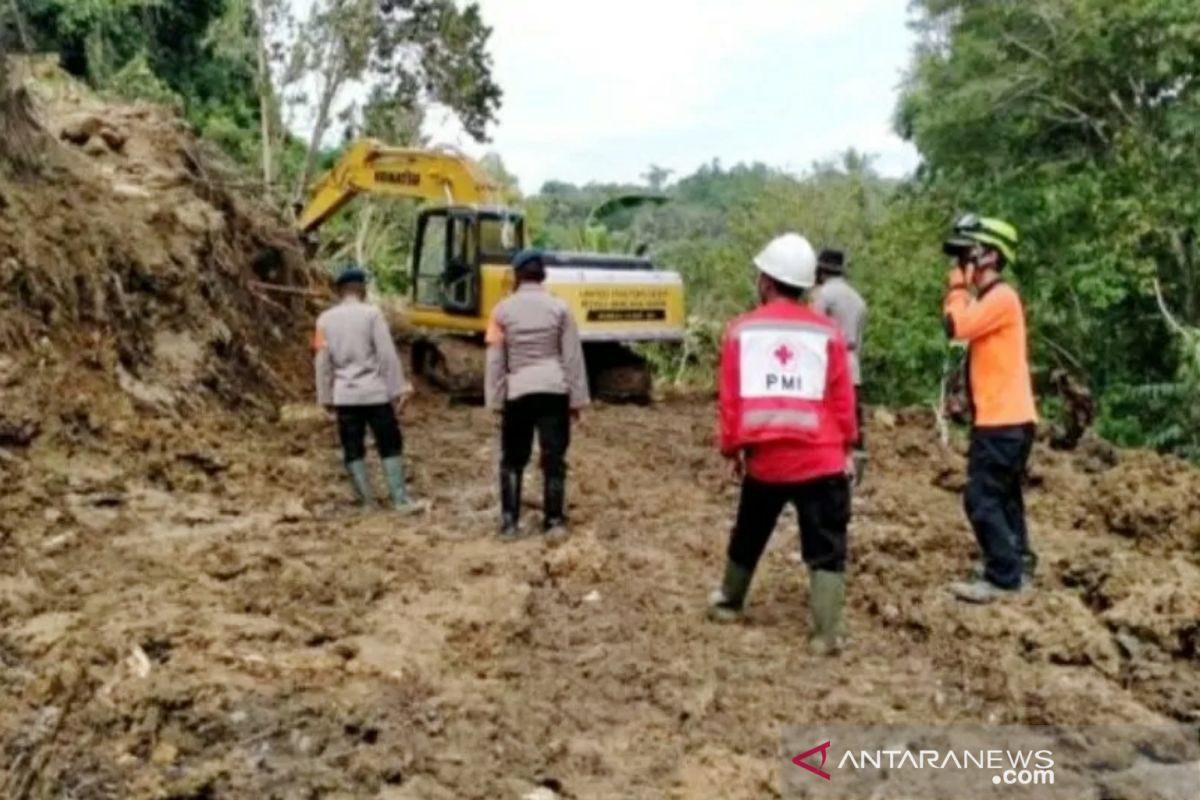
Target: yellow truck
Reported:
point(460, 270)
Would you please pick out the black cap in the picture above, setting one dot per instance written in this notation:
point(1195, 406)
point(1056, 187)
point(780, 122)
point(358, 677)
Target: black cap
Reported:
point(528, 258)
point(350, 274)
point(832, 260)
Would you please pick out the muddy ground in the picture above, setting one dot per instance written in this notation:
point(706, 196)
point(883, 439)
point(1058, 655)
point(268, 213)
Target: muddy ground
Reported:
point(214, 621)
point(190, 609)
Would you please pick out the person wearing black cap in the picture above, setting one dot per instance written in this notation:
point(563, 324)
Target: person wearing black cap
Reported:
point(838, 300)
point(360, 381)
point(536, 381)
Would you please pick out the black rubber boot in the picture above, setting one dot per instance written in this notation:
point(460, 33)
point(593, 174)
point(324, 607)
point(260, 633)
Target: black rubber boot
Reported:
point(554, 502)
point(510, 503)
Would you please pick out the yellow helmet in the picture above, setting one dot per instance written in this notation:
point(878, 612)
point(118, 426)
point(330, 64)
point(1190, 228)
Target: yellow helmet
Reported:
point(995, 233)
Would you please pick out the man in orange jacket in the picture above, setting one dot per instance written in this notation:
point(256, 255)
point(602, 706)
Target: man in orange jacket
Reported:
point(992, 323)
point(787, 425)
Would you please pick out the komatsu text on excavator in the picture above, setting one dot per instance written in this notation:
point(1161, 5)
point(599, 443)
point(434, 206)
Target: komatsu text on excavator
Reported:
point(460, 270)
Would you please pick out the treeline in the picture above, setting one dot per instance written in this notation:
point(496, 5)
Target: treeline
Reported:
point(1078, 120)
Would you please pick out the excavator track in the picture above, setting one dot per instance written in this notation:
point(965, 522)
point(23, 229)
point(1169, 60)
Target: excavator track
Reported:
point(456, 365)
point(616, 374)
point(453, 364)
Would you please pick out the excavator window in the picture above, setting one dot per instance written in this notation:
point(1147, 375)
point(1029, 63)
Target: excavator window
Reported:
point(496, 244)
point(460, 281)
point(446, 264)
point(431, 260)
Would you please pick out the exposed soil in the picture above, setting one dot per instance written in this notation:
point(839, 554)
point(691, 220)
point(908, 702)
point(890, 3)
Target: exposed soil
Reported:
point(189, 608)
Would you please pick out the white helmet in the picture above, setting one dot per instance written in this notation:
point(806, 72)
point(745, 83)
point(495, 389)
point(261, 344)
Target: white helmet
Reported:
point(789, 259)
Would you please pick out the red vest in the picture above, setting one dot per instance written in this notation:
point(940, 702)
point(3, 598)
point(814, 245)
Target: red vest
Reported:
point(786, 393)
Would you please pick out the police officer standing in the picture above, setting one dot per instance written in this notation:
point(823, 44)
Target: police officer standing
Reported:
point(787, 424)
point(360, 381)
point(537, 382)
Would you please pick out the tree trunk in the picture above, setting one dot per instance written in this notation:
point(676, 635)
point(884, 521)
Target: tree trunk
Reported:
point(22, 29)
point(266, 95)
point(333, 83)
point(19, 131)
point(360, 239)
point(266, 109)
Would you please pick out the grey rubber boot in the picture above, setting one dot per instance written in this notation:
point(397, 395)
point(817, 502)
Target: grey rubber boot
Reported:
point(827, 603)
point(982, 592)
point(510, 503)
point(361, 482)
point(393, 470)
point(726, 603)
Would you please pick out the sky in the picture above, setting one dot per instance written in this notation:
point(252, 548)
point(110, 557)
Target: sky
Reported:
point(598, 91)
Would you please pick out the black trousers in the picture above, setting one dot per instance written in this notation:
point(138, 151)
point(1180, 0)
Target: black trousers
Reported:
point(823, 506)
point(353, 422)
point(994, 502)
point(549, 415)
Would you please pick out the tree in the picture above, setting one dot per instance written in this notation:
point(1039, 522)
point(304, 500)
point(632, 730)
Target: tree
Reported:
point(414, 52)
point(1080, 122)
point(656, 177)
point(510, 187)
point(256, 31)
point(161, 51)
point(20, 135)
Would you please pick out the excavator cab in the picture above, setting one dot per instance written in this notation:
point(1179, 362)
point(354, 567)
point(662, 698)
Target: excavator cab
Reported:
point(457, 249)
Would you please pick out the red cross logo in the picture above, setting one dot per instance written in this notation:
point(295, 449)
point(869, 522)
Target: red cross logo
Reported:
point(784, 354)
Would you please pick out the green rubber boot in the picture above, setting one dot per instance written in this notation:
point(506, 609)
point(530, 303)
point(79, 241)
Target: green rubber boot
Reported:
point(393, 470)
point(361, 482)
point(725, 604)
point(827, 603)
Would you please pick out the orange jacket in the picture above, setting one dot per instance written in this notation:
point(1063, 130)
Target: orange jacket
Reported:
point(993, 325)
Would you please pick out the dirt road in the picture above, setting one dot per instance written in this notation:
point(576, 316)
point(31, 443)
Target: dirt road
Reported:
point(214, 622)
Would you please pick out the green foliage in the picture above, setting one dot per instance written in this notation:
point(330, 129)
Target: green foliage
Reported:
point(137, 81)
point(150, 49)
point(1079, 120)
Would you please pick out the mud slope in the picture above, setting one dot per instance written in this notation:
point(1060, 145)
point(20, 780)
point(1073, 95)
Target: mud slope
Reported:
point(233, 632)
point(132, 261)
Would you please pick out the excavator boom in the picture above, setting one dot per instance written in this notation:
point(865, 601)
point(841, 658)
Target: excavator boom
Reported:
point(370, 167)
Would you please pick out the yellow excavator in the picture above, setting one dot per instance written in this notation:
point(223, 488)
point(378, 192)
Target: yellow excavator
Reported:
point(464, 245)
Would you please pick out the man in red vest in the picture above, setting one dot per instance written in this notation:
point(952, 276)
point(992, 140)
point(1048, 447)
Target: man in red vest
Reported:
point(787, 425)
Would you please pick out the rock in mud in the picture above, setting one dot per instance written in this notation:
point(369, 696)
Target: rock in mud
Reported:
point(18, 432)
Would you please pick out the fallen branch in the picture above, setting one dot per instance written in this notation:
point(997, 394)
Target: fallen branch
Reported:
point(264, 299)
point(273, 287)
point(1062, 351)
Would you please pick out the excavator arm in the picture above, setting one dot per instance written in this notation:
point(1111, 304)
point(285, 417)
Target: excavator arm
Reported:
point(370, 167)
